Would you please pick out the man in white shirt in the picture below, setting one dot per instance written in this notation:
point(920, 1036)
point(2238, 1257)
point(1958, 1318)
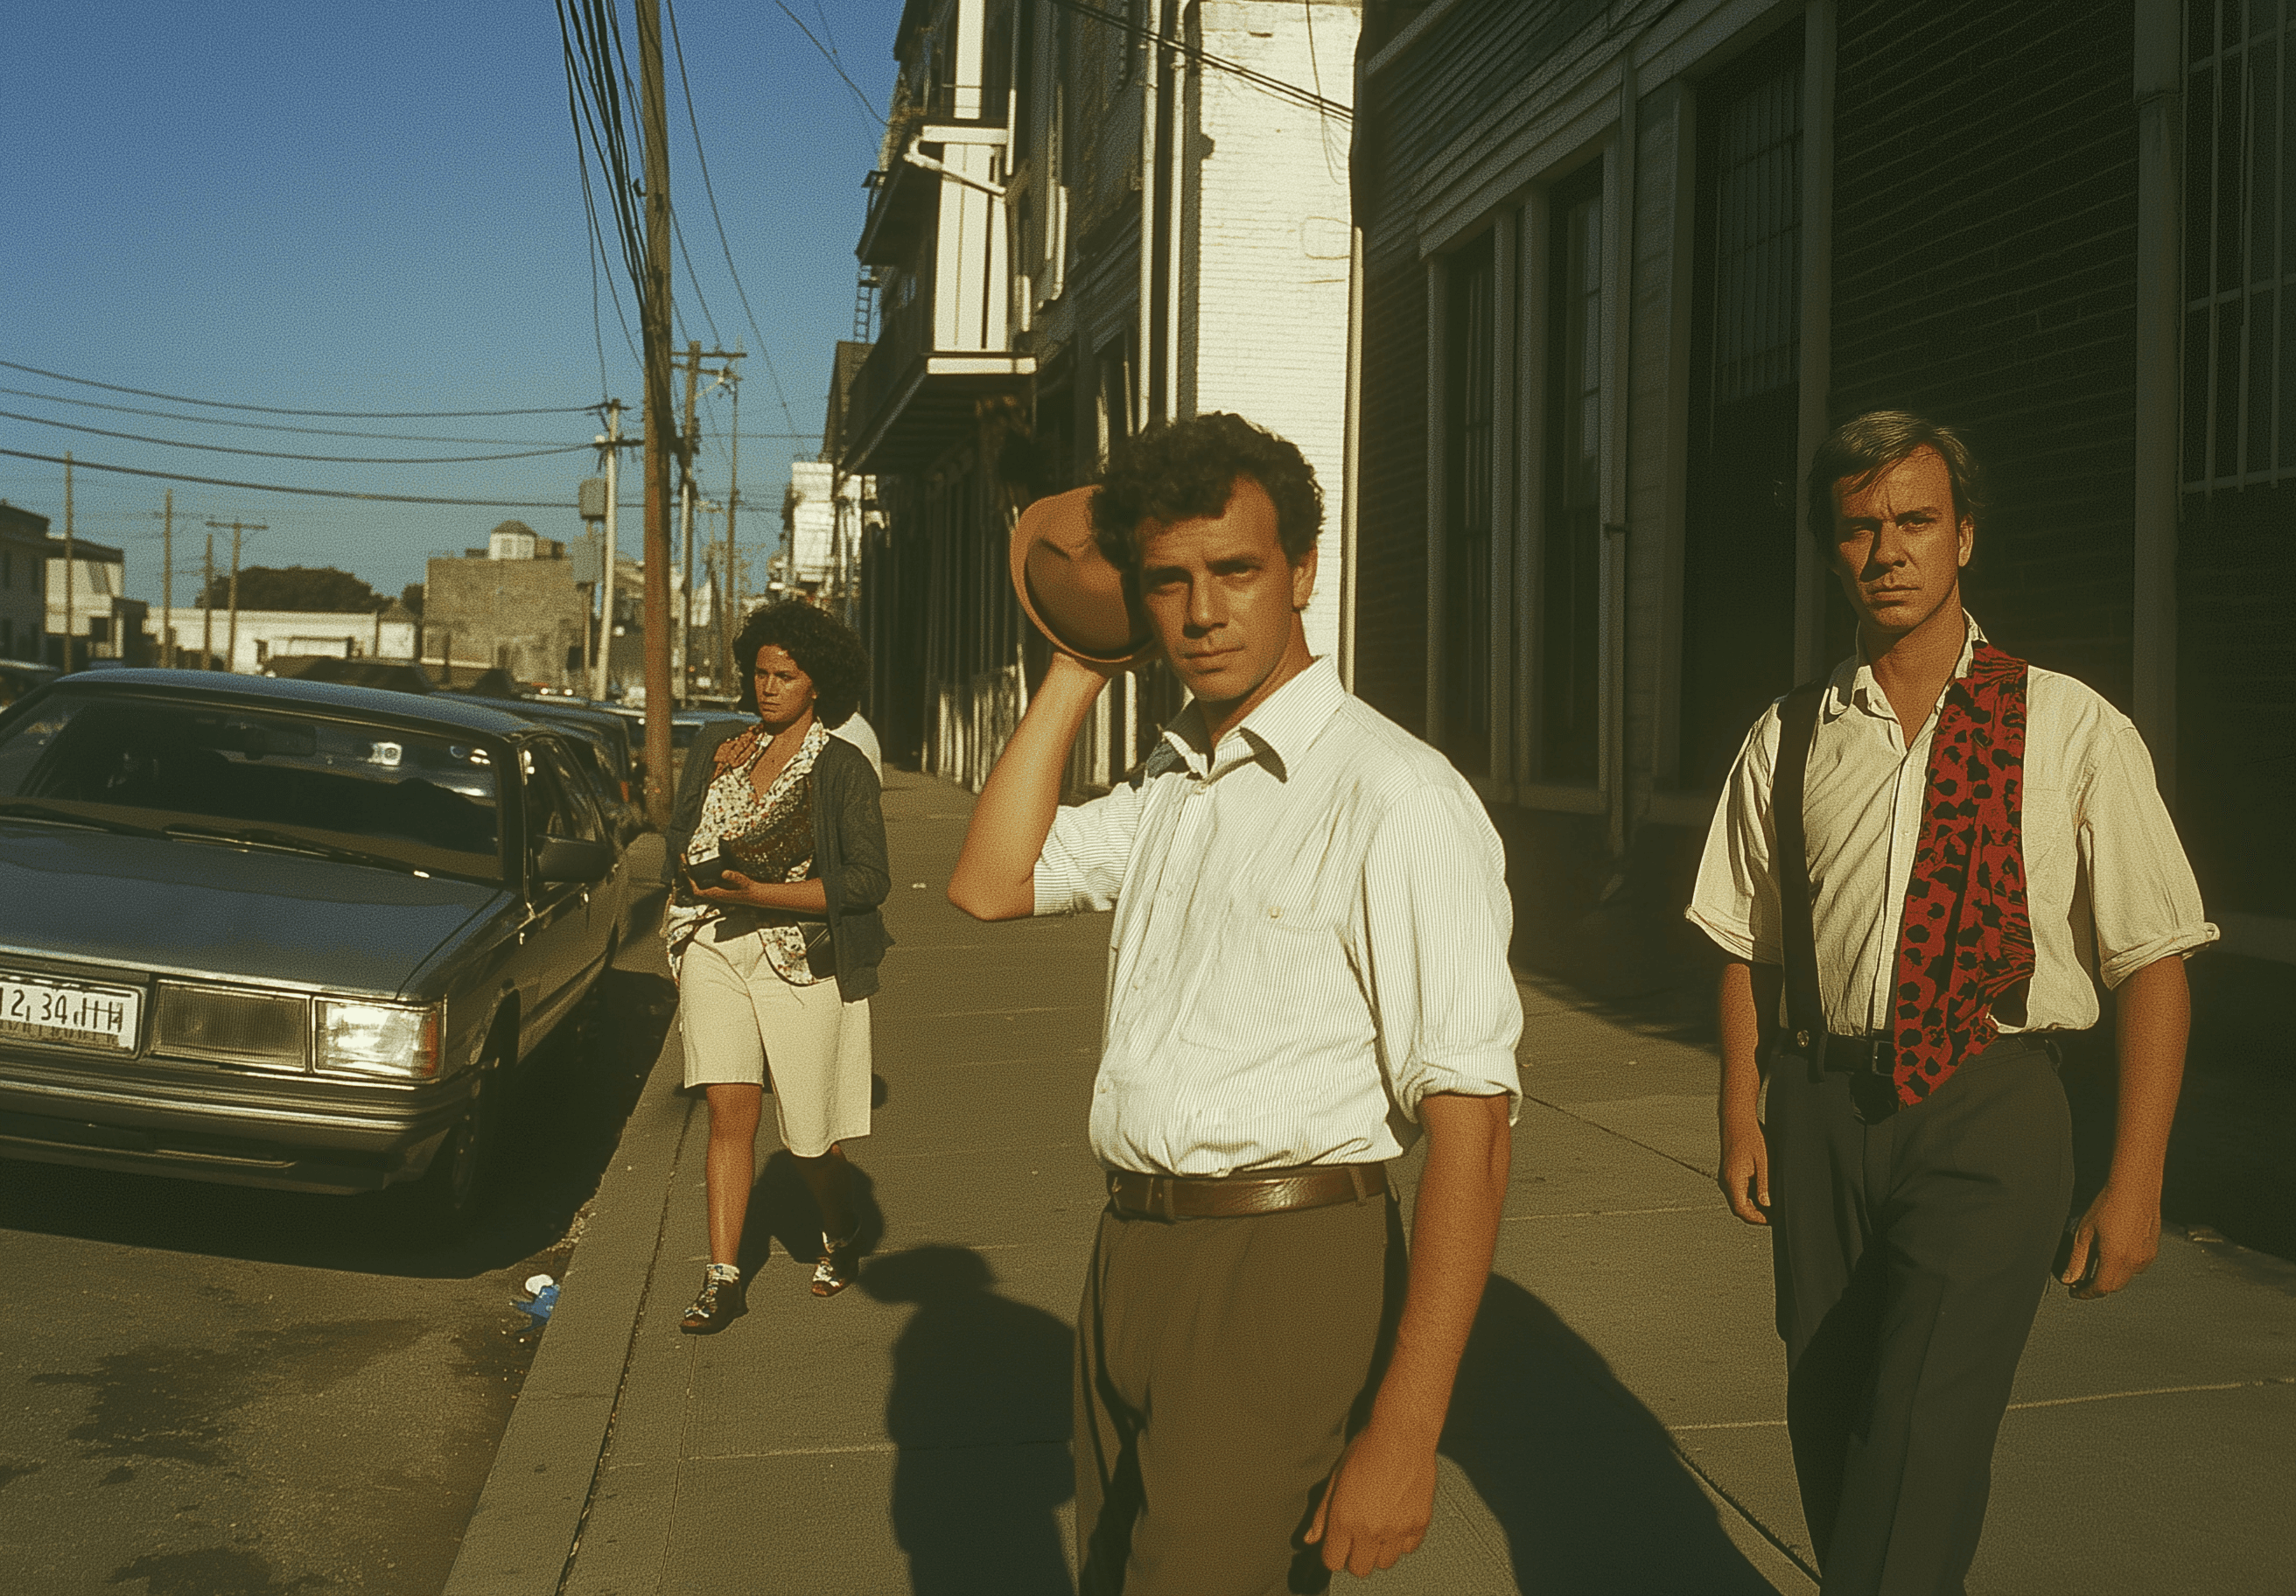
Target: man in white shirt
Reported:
point(1308, 968)
point(1919, 871)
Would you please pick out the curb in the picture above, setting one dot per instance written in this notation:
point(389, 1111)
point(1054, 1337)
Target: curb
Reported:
point(522, 1535)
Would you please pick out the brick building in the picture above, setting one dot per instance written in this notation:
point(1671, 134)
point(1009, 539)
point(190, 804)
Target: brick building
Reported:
point(1023, 329)
point(513, 605)
point(1625, 264)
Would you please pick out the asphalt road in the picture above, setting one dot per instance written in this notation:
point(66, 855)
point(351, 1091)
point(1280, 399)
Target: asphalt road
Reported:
point(209, 1391)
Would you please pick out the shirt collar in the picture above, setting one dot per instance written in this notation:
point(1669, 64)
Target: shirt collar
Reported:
point(1853, 686)
point(1278, 732)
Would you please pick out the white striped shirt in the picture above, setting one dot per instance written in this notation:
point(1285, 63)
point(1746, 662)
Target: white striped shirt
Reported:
point(2107, 887)
point(1310, 935)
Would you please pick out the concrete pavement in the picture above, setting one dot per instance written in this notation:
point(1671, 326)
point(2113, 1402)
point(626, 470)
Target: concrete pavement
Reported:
point(1618, 1424)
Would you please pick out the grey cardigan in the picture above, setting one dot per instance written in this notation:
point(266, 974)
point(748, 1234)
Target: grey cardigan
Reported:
point(849, 848)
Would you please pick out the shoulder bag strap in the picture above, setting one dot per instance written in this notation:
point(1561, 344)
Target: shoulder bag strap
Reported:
point(1805, 1010)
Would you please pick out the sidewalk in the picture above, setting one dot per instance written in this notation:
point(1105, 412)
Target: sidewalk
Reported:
point(1618, 1427)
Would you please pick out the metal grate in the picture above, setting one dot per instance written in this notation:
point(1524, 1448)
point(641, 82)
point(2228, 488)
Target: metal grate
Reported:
point(2239, 245)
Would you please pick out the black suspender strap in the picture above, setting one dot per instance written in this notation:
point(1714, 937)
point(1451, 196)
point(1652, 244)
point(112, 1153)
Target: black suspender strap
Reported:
point(1805, 1010)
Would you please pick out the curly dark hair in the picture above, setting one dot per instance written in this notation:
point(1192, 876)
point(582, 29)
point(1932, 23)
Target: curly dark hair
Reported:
point(1185, 471)
point(1860, 448)
point(824, 647)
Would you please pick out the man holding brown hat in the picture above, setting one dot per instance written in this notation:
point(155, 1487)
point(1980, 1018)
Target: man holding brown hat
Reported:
point(1308, 969)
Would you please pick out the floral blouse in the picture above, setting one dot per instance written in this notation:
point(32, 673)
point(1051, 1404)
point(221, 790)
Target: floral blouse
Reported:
point(734, 809)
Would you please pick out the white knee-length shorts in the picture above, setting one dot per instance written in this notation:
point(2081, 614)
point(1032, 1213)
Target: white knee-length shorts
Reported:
point(739, 1018)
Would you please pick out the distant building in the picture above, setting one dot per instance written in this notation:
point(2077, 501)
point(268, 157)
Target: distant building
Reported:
point(105, 623)
point(821, 515)
point(24, 583)
point(267, 635)
point(515, 605)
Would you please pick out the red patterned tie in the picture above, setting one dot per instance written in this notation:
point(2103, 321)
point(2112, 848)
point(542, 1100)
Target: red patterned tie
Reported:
point(1965, 939)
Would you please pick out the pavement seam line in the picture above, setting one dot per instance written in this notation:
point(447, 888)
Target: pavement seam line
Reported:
point(2041, 1402)
point(629, 1351)
point(2229, 1385)
point(1621, 1135)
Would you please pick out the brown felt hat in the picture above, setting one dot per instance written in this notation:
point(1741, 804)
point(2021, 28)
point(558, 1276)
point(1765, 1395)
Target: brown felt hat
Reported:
point(1068, 587)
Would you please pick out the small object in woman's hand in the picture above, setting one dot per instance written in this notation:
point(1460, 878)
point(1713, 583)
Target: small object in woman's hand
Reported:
point(708, 872)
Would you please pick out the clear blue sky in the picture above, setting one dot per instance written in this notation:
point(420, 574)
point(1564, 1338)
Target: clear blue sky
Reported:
point(357, 208)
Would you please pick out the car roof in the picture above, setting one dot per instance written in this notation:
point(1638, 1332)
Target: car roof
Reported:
point(408, 708)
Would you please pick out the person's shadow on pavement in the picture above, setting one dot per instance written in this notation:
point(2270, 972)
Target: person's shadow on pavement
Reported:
point(1582, 1478)
point(781, 1209)
point(979, 1411)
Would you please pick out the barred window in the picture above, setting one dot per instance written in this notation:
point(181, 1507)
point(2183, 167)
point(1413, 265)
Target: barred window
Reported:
point(2239, 245)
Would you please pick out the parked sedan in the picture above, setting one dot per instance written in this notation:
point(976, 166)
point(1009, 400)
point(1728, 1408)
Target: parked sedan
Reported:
point(286, 934)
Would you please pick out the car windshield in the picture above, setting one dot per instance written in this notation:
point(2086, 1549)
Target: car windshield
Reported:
point(286, 777)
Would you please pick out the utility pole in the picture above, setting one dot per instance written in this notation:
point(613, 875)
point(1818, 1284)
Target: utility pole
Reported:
point(691, 362)
point(733, 593)
point(661, 421)
point(231, 644)
point(207, 606)
point(68, 564)
point(168, 580)
point(686, 503)
point(611, 441)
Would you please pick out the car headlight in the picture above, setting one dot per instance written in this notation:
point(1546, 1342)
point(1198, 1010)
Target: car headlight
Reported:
point(396, 1042)
point(224, 1025)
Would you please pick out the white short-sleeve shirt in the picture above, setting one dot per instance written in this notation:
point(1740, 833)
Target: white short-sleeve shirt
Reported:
point(1310, 935)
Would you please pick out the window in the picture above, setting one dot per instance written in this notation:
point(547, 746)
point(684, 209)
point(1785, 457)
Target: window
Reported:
point(1470, 351)
point(2239, 245)
point(1569, 597)
point(1740, 532)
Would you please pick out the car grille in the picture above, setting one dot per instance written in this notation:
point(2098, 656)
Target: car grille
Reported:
point(249, 1029)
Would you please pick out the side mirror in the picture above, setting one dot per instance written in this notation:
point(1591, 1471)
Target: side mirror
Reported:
point(571, 859)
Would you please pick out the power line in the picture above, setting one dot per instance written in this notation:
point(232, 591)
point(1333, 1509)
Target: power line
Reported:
point(41, 420)
point(703, 161)
point(314, 493)
point(828, 53)
point(226, 421)
point(363, 415)
point(1260, 81)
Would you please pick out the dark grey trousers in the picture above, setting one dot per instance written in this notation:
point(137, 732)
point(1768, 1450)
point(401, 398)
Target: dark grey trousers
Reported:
point(1911, 1250)
point(1221, 1364)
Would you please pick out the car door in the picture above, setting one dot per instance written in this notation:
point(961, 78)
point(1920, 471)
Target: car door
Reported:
point(593, 818)
point(555, 941)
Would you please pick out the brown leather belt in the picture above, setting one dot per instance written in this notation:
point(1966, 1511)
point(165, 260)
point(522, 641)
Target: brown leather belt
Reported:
point(1260, 1191)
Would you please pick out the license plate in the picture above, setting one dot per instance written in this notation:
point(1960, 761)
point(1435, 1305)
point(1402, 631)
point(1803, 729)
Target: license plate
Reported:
point(43, 1010)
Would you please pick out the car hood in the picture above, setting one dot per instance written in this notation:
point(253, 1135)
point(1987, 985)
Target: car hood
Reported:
point(199, 908)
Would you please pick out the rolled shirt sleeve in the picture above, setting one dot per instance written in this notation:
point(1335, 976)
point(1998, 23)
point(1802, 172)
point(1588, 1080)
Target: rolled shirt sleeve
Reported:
point(1080, 869)
point(1735, 901)
point(1437, 921)
point(2146, 901)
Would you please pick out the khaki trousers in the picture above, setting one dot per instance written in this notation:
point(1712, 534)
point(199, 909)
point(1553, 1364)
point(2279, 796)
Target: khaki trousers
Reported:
point(1221, 1365)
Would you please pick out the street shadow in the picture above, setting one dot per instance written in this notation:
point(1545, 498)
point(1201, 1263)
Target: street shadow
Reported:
point(562, 1118)
point(781, 1209)
point(1581, 1476)
point(979, 1411)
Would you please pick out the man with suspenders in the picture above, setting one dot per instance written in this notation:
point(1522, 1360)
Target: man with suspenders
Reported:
point(1919, 870)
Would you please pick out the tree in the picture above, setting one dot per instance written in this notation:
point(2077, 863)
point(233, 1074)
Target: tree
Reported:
point(411, 596)
point(309, 588)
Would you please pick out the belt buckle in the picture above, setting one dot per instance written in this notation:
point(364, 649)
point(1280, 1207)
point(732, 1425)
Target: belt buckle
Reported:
point(1882, 1057)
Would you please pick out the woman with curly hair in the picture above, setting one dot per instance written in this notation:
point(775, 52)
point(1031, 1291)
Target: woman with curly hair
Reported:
point(776, 852)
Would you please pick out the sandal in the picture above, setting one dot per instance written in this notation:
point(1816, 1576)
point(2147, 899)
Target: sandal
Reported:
point(838, 1266)
point(720, 1301)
